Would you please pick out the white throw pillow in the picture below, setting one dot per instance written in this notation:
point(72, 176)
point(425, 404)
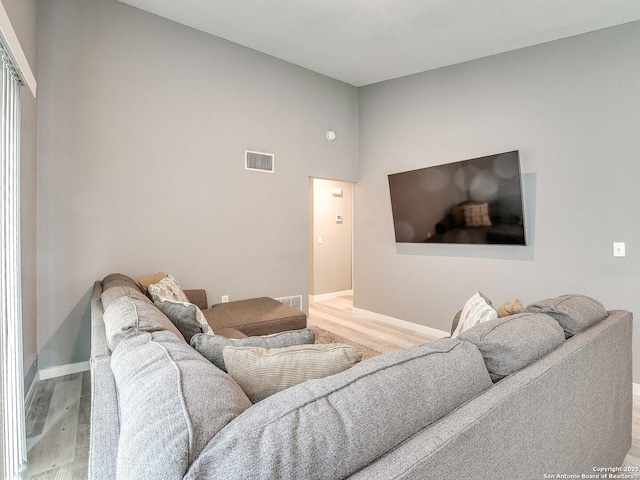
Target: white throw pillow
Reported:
point(477, 310)
point(169, 290)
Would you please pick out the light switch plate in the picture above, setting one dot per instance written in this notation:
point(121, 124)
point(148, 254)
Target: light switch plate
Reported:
point(618, 249)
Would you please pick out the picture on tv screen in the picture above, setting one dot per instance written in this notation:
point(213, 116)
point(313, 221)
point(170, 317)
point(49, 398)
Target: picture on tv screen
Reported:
point(476, 201)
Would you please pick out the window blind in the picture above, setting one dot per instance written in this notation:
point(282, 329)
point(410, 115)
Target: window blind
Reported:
point(13, 440)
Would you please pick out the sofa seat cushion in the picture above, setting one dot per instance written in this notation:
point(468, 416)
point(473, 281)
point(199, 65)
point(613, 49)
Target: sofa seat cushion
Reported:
point(574, 313)
point(128, 314)
point(333, 427)
point(211, 346)
point(511, 343)
point(172, 403)
point(261, 372)
point(255, 316)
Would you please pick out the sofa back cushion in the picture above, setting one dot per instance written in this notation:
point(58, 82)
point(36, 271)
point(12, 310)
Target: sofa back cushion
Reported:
point(172, 403)
point(332, 427)
point(130, 314)
point(510, 343)
point(574, 313)
point(211, 346)
point(112, 294)
point(120, 280)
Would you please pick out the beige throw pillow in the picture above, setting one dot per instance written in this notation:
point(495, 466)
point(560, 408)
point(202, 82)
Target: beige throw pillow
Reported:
point(476, 215)
point(261, 372)
point(147, 280)
point(211, 346)
point(511, 307)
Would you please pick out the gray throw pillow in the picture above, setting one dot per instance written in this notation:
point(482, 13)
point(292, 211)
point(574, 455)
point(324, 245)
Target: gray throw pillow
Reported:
point(510, 343)
point(169, 290)
point(183, 315)
point(211, 346)
point(574, 313)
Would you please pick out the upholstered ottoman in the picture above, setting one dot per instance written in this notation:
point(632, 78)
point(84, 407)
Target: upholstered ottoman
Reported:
point(255, 316)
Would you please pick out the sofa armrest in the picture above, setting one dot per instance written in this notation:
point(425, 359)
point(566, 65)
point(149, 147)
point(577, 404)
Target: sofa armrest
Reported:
point(197, 297)
point(105, 421)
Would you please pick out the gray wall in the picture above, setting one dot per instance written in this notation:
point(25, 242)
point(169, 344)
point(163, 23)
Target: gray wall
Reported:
point(143, 125)
point(572, 108)
point(24, 19)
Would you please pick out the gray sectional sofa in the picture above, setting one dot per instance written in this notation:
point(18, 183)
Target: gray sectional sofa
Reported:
point(511, 399)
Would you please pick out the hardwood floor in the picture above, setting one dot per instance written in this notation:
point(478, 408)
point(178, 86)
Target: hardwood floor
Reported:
point(337, 316)
point(58, 420)
point(57, 427)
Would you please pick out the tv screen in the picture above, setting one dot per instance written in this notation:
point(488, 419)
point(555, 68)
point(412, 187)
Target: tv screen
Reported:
point(476, 201)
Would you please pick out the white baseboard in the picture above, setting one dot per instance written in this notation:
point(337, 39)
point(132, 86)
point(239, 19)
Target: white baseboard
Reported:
point(61, 370)
point(432, 332)
point(324, 296)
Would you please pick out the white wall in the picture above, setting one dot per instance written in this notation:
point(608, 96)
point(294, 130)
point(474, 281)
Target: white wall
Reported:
point(572, 108)
point(143, 125)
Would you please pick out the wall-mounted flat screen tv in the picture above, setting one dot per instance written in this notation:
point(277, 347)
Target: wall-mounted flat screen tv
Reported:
point(476, 201)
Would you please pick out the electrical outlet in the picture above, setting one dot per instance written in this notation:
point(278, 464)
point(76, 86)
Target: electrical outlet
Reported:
point(618, 249)
point(225, 298)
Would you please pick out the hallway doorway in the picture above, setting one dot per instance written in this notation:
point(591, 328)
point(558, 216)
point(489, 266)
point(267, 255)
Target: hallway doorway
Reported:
point(330, 237)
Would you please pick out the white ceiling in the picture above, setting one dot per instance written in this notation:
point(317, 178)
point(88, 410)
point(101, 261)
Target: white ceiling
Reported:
point(367, 41)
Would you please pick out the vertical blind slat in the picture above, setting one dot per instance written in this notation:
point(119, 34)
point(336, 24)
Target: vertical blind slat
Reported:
point(12, 438)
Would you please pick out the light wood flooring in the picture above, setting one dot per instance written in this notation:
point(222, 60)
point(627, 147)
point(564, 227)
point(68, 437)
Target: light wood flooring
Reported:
point(337, 315)
point(57, 425)
point(58, 420)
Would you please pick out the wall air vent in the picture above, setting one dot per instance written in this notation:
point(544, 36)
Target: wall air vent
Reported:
point(295, 301)
point(259, 161)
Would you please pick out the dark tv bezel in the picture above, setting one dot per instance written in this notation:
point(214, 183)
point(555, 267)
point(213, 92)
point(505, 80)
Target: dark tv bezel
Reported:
point(469, 160)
